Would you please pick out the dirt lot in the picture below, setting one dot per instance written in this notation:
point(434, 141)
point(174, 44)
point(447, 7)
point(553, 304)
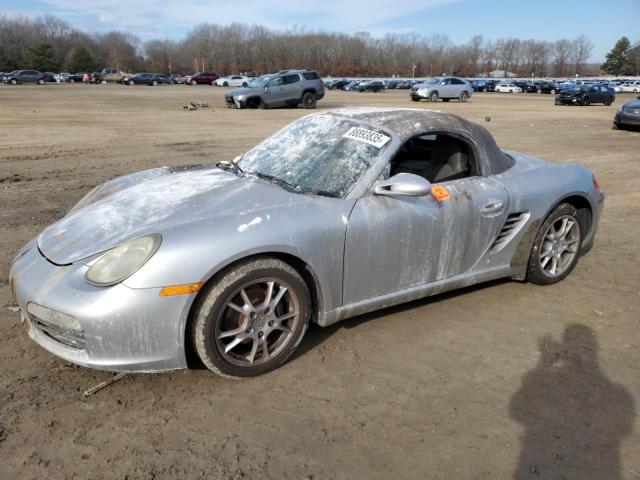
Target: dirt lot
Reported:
point(491, 382)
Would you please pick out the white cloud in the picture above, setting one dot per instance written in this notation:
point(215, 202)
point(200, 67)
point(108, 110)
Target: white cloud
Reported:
point(172, 17)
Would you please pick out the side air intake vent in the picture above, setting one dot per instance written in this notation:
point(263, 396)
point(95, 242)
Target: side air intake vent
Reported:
point(511, 227)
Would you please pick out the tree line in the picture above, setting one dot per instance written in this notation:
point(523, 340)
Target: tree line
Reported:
point(49, 44)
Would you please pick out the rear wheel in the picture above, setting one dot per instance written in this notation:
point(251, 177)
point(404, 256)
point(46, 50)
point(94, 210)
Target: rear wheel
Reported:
point(433, 97)
point(586, 101)
point(132, 83)
point(154, 83)
point(13, 81)
point(252, 319)
point(309, 100)
point(556, 247)
point(464, 96)
point(41, 82)
point(225, 84)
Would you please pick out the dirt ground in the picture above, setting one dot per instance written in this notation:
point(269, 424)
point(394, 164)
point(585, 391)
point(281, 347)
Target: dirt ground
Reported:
point(506, 380)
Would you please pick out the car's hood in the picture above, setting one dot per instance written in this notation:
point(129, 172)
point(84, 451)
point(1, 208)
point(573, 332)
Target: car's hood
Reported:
point(240, 91)
point(152, 201)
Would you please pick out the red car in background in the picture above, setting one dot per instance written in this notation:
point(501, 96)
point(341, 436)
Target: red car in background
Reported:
point(207, 78)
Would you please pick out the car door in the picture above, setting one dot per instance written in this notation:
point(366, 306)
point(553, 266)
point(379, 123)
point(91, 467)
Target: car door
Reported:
point(274, 93)
point(293, 87)
point(395, 243)
point(444, 89)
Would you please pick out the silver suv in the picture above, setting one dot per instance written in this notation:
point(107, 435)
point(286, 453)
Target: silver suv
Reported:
point(286, 88)
point(445, 88)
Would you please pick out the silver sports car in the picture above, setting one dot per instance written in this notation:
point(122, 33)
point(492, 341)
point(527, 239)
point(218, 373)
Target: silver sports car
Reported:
point(337, 214)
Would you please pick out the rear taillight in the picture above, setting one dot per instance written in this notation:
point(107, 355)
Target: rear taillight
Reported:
point(595, 184)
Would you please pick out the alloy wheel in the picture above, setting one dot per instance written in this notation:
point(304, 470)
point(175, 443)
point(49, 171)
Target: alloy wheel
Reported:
point(257, 322)
point(560, 246)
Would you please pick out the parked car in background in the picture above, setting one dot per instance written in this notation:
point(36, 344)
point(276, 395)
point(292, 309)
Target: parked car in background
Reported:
point(631, 87)
point(233, 81)
point(113, 75)
point(287, 88)
point(24, 76)
point(490, 86)
point(202, 78)
point(628, 115)
point(548, 87)
point(147, 79)
point(617, 88)
point(177, 79)
point(352, 86)
point(403, 84)
point(338, 84)
point(508, 88)
point(479, 85)
point(371, 86)
point(586, 95)
point(445, 88)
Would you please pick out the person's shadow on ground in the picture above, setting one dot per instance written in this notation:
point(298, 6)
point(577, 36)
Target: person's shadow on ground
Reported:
point(575, 418)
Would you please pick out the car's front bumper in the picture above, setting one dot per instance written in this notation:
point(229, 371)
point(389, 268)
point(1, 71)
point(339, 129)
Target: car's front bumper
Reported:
point(568, 100)
point(124, 329)
point(622, 118)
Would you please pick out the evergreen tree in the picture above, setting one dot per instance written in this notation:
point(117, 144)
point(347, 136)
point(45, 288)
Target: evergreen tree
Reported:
point(42, 57)
point(616, 59)
point(81, 60)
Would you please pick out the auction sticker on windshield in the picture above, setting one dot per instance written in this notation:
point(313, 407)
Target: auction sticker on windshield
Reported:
point(368, 136)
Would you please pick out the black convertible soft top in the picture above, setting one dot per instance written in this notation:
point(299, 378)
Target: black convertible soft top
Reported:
point(409, 122)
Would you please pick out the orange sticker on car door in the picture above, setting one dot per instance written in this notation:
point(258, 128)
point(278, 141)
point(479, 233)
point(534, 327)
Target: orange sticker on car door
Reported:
point(440, 193)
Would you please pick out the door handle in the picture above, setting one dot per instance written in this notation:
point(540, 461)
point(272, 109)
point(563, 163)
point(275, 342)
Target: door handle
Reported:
point(491, 208)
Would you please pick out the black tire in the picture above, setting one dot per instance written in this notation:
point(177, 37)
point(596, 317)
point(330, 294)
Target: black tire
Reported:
point(244, 85)
point(41, 82)
point(212, 315)
point(71, 80)
point(586, 101)
point(433, 97)
point(535, 272)
point(225, 84)
point(131, 83)
point(309, 100)
point(13, 81)
point(154, 83)
point(464, 96)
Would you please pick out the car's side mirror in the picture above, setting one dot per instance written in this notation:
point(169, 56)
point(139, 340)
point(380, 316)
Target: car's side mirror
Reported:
point(406, 184)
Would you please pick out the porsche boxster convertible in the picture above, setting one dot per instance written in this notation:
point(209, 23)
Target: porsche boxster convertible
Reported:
point(338, 214)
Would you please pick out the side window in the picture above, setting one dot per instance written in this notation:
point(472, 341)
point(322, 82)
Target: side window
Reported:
point(457, 81)
point(276, 82)
point(289, 79)
point(446, 81)
point(310, 76)
point(438, 157)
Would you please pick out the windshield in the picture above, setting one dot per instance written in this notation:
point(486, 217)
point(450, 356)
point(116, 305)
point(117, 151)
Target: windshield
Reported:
point(319, 154)
point(258, 82)
point(431, 81)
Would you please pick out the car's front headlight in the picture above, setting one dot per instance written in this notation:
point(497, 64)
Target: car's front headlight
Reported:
point(422, 90)
point(123, 261)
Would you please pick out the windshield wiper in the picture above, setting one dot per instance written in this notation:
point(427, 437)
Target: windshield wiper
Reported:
point(290, 186)
point(230, 166)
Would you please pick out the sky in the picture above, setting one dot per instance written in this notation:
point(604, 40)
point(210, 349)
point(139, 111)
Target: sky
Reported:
point(459, 19)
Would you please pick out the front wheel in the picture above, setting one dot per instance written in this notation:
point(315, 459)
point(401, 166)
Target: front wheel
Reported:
point(154, 84)
point(41, 82)
point(131, 83)
point(556, 247)
point(13, 81)
point(309, 100)
point(586, 101)
point(252, 319)
point(433, 97)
